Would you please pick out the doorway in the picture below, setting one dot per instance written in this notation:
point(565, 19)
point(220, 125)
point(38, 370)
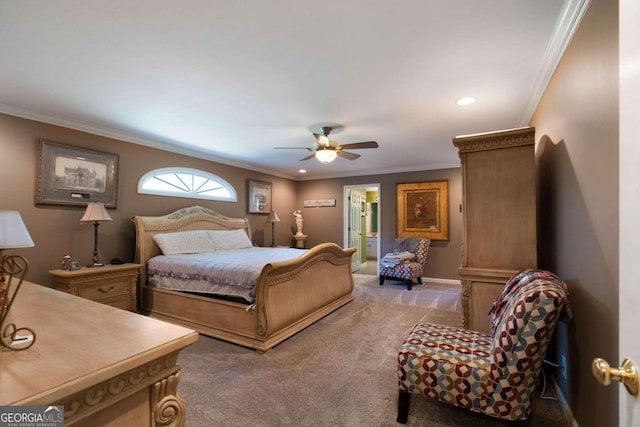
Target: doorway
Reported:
point(362, 226)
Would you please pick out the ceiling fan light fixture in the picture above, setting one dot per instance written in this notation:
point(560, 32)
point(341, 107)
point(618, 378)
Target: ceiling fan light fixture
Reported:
point(467, 100)
point(326, 156)
point(326, 150)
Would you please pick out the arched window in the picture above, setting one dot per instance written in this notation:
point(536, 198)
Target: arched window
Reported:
point(185, 182)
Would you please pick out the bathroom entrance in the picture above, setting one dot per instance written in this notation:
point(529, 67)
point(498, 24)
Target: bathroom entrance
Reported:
point(362, 225)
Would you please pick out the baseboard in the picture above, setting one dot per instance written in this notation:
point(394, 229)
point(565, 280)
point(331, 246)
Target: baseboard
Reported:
point(568, 414)
point(444, 281)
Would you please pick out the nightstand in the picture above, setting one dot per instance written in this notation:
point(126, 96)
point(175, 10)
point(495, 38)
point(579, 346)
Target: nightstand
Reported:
point(114, 285)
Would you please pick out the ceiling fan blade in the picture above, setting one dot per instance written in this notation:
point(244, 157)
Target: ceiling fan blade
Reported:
point(347, 155)
point(310, 156)
point(293, 148)
point(357, 145)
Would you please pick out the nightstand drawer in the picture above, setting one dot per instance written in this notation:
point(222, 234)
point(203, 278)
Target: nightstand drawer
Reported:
point(114, 285)
point(104, 290)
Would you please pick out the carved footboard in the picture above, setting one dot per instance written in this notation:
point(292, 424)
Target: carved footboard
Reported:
point(293, 294)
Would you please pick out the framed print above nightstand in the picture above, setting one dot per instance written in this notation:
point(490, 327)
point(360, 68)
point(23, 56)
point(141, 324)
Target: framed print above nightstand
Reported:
point(68, 175)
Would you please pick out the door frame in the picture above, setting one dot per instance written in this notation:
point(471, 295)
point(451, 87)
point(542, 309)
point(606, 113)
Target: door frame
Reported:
point(629, 207)
point(345, 216)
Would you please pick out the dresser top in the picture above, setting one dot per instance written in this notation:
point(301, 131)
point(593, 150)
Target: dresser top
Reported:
point(85, 271)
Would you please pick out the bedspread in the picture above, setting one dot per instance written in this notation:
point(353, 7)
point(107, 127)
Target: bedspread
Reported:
point(225, 272)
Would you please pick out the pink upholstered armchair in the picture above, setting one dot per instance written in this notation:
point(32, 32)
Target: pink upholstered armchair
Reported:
point(406, 269)
point(492, 373)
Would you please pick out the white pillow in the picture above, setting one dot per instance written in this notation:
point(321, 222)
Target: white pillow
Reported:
point(230, 239)
point(184, 242)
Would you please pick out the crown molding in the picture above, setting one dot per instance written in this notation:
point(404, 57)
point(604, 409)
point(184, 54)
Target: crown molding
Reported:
point(131, 138)
point(570, 19)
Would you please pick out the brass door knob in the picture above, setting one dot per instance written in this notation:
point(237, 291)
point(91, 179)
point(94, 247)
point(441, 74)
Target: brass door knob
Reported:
point(627, 374)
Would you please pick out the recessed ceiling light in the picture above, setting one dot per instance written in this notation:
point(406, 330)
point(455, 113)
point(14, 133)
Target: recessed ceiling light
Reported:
point(467, 100)
point(302, 171)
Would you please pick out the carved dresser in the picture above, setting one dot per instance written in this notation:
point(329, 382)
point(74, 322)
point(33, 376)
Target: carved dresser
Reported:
point(108, 367)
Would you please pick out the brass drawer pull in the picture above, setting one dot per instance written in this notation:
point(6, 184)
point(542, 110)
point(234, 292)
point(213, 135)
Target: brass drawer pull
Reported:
point(107, 291)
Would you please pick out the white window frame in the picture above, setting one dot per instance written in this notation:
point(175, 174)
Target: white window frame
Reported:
point(188, 191)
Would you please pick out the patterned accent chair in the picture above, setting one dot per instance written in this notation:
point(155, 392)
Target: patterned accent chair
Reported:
point(407, 270)
point(492, 373)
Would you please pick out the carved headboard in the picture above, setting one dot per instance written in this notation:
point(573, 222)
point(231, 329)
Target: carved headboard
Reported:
point(191, 218)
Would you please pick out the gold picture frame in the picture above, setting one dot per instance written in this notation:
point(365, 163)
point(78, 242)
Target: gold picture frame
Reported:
point(423, 210)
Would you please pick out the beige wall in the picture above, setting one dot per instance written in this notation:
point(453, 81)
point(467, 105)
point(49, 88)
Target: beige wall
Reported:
point(577, 131)
point(57, 231)
point(443, 259)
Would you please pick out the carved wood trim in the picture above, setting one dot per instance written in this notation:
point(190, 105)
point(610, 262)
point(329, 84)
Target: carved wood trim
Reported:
point(96, 398)
point(495, 140)
point(465, 300)
point(167, 408)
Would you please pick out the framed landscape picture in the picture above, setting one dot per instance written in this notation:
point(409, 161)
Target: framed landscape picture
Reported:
point(68, 175)
point(258, 196)
point(422, 210)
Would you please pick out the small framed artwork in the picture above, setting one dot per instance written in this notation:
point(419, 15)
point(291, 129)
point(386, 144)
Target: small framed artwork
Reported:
point(423, 210)
point(320, 203)
point(258, 196)
point(68, 175)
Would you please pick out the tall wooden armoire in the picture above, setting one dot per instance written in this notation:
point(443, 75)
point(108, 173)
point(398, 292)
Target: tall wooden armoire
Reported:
point(499, 216)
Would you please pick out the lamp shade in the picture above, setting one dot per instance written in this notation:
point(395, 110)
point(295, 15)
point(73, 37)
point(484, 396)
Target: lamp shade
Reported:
point(273, 217)
point(13, 233)
point(326, 156)
point(95, 212)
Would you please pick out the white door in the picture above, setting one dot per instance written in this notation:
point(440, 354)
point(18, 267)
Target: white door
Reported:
point(356, 201)
point(629, 345)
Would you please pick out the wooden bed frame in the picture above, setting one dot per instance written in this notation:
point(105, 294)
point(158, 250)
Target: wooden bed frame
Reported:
point(290, 295)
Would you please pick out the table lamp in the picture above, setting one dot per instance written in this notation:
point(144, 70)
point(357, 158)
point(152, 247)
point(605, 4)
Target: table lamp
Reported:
point(95, 213)
point(273, 218)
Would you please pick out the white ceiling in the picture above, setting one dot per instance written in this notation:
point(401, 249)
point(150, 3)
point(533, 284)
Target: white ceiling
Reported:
point(229, 80)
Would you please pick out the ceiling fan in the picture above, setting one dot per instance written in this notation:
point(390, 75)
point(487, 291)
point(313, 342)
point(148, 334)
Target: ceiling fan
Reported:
point(327, 151)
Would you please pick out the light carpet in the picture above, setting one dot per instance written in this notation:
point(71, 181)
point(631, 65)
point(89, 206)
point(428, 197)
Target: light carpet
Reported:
point(439, 296)
point(340, 371)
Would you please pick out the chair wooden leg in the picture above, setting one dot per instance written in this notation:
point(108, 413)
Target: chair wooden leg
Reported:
point(409, 284)
point(381, 280)
point(419, 279)
point(404, 399)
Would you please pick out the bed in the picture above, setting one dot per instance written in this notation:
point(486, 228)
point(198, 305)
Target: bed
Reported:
point(289, 295)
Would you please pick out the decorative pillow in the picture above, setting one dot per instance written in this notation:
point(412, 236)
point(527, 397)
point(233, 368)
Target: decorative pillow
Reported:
point(184, 242)
point(229, 239)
